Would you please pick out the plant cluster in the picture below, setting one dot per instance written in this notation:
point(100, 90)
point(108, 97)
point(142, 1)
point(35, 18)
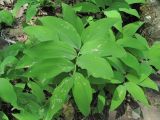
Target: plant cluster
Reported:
point(72, 58)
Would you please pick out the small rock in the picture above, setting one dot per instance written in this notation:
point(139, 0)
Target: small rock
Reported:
point(112, 115)
point(136, 114)
point(150, 113)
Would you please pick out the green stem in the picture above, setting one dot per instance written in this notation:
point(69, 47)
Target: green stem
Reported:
point(75, 66)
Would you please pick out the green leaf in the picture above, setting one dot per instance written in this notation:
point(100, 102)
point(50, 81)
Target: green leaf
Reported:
point(154, 51)
point(135, 1)
point(118, 78)
point(101, 101)
point(37, 91)
point(154, 55)
point(131, 28)
point(131, 61)
point(131, 42)
point(133, 78)
point(116, 15)
point(31, 11)
point(155, 62)
point(8, 61)
point(117, 64)
point(145, 70)
point(96, 66)
point(103, 48)
point(59, 97)
point(66, 32)
point(3, 116)
point(6, 17)
point(116, 5)
point(26, 115)
point(142, 40)
point(99, 3)
point(97, 81)
point(148, 83)
point(51, 49)
point(24, 62)
point(118, 97)
point(136, 92)
point(83, 100)
point(29, 104)
point(130, 11)
point(49, 68)
point(7, 92)
point(99, 30)
point(70, 16)
point(86, 7)
point(42, 33)
point(12, 50)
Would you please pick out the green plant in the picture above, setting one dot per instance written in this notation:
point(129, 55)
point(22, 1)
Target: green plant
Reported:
point(116, 6)
point(6, 17)
point(73, 62)
point(33, 7)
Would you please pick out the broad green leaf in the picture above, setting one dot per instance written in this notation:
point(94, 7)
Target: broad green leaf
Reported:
point(59, 97)
point(12, 50)
point(131, 28)
point(116, 5)
point(99, 30)
point(8, 61)
point(28, 103)
point(101, 101)
point(31, 11)
point(3, 116)
point(154, 55)
point(108, 2)
point(96, 66)
point(86, 7)
point(136, 92)
point(139, 54)
point(148, 83)
point(6, 17)
point(70, 16)
point(136, 43)
point(24, 115)
point(97, 81)
point(24, 62)
point(115, 14)
point(83, 100)
point(130, 11)
point(117, 64)
point(131, 42)
point(103, 48)
point(133, 78)
point(42, 33)
point(145, 70)
point(135, 1)
point(142, 40)
point(131, 61)
point(7, 92)
point(155, 62)
point(154, 51)
point(118, 97)
point(66, 32)
point(37, 91)
point(49, 68)
point(51, 49)
point(99, 3)
point(118, 78)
